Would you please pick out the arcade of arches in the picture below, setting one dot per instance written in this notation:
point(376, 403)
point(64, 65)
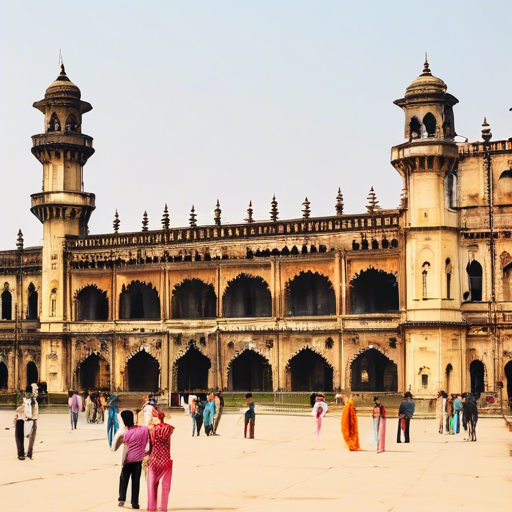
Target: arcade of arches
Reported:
point(373, 371)
point(143, 372)
point(250, 371)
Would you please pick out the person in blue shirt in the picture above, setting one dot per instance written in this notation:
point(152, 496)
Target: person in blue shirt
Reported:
point(405, 413)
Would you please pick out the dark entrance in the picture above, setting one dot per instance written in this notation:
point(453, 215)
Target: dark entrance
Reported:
point(4, 374)
point(143, 372)
point(89, 372)
point(250, 371)
point(193, 299)
point(508, 375)
point(309, 371)
point(477, 374)
point(193, 370)
point(33, 307)
point(373, 371)
point(139, 301)
point(92, 304)
point(247, 296)
point(32, 373)
point(310, 294)
point(373, 291)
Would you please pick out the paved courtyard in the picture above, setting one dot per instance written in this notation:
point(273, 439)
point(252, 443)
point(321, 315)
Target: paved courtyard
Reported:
point(285, 468)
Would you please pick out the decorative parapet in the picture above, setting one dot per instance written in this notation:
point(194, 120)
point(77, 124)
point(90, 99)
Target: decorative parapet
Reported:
point(327, 225)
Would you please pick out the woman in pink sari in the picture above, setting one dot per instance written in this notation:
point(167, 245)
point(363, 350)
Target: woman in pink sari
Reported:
point(160, 463)
point(379, 425)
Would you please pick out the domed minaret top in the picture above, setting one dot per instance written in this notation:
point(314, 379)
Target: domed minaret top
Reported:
point(426, 83)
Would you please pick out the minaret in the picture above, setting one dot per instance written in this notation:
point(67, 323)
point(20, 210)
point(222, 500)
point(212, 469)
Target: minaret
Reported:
point(430, 224)
point(62, 207)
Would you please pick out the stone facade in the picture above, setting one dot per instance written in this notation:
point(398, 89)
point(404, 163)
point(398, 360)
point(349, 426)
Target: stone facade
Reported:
point(415, 298)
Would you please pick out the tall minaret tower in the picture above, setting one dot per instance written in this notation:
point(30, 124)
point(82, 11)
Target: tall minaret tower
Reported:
point(62, 207)
point(427, 162)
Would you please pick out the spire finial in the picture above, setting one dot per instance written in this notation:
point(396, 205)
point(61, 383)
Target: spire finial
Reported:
point(373, 204)
point(306, 211)
point(145, 221)
point(116, 222)
point(217, 212)
point(426, 68)
point(192, 220)
point(274, 212)
point(165, 218)
point(19, 241)
point(339, 202)
point(486, 131)
point(249, 219)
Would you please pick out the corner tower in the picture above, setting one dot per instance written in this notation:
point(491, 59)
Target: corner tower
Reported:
point(62, 207)
point(427, 163)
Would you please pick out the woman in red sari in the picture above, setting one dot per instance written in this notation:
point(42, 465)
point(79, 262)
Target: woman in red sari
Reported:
point(349, 427)
point(160, 463)
point(379, 425)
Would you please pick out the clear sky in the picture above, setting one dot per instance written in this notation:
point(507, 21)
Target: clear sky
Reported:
point(238, 100)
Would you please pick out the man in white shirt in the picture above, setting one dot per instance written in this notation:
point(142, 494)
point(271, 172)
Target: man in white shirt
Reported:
point(31, 414)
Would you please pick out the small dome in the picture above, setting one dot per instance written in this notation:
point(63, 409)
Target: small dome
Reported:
point(63, 87)
point(426, 83)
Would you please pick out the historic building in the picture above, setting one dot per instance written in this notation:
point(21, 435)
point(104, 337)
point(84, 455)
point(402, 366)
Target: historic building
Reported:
point(415, 298)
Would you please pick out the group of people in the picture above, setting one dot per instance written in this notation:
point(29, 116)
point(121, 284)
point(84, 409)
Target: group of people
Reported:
point(454, 410)
point(147, 448)
point(95, 406)
point(26, 415)
point(207, 412)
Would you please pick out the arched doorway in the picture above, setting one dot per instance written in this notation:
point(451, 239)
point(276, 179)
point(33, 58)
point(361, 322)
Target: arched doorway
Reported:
point(193, 299)
point(192, 370)
point(449, 371)
point(143, 372)
point(94, 373)
point(139, 301)
point(310, 294)
point(91, 304)
point(508, 375)
point(373, 371)
point(250, 371)
point(33, 303)
point(373, 291)
point(6, 305)
point(474, 270)
point(309, 371)
point(32, 373)
point(477, 375)
point(247, 296)
point(4, 375)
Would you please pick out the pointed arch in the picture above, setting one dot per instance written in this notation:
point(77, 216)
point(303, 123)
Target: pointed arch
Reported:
point(139, 301)
point(93, 372)
point(309, 370)
point(71, 123)
point(249, 370)
point(32, 373)
point(247, 296)
point(475, 277)
point(6, 303)
point(193, 298)
point(91, 303)
point(430, 124)
point(310, 294)
point(372, 370)
point(142, 372)
point(477, 377)
point(191, 369)
point(373, 291)
point(54, 124)
point(33, 303)
point(4, 376)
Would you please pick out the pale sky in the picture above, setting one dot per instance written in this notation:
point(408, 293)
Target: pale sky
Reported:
point(238, 100)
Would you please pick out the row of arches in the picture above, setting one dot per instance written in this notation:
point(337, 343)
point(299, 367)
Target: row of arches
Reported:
point(55, 125)
point(32, 306)
point(307, 294)
point(31, 373)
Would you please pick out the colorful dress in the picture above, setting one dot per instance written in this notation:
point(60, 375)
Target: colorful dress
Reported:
point(160, 465)
point(349, 427)
point(209, 413)
point(379, 427)
point(319, 411)
point(250, 419)
point(112, 423)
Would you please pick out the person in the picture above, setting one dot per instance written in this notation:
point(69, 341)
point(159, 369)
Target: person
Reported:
point(19, 431)
point(35, 389)
point(441, 411)
point(457, 413)
point(75, 406)
point(148, 409)
point(209, 414)
point(250, 416)
point(312, 399)
point(101, 401)
point(319, 411)
point(199, 414)
point(160, 464)
point(405, 413)
point(31, 414)
point(219, 406)
point(112, 423)
point(193, 410)
point(135, 441)
point(349, 426)
point(449, 415)
point(379, 424)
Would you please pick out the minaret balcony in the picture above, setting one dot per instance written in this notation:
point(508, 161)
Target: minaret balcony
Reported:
point(77, 145)
point(64, 205)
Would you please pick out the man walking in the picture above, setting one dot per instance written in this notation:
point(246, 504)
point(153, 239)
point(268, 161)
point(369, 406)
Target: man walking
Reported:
point(75, 406)
point(135, 439)
point(31, 414)
point(19, 431)
point(405, 413)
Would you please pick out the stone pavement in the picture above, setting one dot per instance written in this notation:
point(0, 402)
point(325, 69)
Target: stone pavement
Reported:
point(285, 468)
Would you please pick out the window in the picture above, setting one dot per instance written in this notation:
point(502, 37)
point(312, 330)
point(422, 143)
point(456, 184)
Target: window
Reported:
point(424, 276)
point(424, 381)
point(430, 123)
point(448, 270)
point(414, 128)
point(474, 270)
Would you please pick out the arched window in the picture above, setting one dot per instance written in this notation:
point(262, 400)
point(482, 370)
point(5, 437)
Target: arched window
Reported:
point(474, 270)
point(91, 304)
point(477, 375)
point(54, 124)
point(71, 123)
point(448, 269)
point(504, 188)
point(4, 376)
point(6, 303)
point(373, 291)
point(193, 298)
point(414, 128)
point(430, 123)
point(507, 282)
point(32, 374)
point(247, 296)
point(424, 280)
point(451, 189)
point(33, 303)
point(310, 294)
point(53, 302)
point(139, 301)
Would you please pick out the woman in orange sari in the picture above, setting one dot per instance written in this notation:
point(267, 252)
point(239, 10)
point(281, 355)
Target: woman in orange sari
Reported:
point(349, 427)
